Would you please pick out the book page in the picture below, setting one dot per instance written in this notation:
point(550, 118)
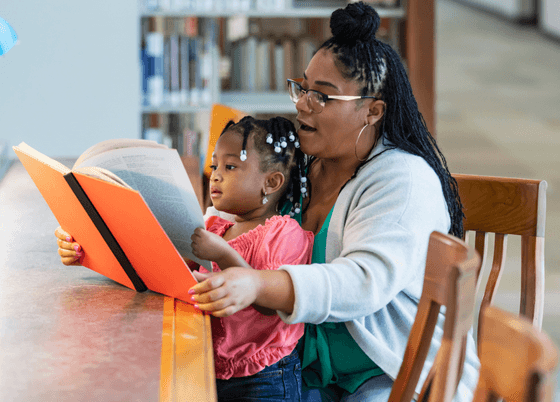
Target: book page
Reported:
point(160, 177)
point(102, 174)
point(23, 147)
point(108, 145)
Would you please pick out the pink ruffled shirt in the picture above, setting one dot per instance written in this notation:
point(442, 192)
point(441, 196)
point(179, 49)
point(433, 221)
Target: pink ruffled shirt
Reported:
point(248, 341)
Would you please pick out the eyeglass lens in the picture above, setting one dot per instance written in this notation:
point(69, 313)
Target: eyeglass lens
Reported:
point(314, 100)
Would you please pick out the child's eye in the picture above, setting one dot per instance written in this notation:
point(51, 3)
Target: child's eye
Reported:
point(230, 167)
point(213, 167)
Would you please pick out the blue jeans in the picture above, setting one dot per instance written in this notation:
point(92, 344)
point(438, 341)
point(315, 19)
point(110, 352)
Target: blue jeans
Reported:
point(280, 382)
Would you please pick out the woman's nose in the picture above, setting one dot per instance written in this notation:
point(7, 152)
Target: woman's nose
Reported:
point(303, 103)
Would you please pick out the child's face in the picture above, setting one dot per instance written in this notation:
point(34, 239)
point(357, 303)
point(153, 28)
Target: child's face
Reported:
point(236, 186)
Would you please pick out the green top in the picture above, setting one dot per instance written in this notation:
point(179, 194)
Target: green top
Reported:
point(329, 354)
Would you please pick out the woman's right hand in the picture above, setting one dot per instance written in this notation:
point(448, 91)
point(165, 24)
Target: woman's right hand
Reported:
point(69, 251)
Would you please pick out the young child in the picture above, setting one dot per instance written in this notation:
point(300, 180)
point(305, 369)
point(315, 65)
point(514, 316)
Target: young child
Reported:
point(256, 166)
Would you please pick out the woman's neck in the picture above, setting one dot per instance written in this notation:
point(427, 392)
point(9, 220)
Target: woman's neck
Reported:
point(336, 170)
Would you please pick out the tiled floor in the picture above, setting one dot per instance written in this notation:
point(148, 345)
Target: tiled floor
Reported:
point(498, 113)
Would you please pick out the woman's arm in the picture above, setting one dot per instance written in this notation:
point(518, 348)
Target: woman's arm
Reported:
point(225, 293)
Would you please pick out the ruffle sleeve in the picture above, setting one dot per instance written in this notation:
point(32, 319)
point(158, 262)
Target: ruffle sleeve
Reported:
point(283, 242)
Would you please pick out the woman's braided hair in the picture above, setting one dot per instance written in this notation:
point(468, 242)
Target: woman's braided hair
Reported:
point(361, 57)
point(277, 144)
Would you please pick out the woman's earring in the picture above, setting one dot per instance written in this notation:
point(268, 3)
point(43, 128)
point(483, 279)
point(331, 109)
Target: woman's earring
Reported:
point(265, 199)
point(356, 146)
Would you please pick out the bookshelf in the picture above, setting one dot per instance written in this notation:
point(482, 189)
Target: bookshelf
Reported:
point(235, 34)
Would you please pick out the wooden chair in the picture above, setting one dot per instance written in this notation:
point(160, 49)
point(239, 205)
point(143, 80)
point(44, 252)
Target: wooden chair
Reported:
point(517, 361)
point(506, 206)
point(449, 280)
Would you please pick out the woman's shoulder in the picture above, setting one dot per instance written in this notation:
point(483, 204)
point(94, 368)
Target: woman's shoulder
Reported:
point(400, 168)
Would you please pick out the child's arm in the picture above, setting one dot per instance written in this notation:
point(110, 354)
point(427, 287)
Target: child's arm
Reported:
point(210, 246)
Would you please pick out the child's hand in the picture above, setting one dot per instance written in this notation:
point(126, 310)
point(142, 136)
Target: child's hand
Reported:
point(225, 293)
point(210, 246)
point(69, 251)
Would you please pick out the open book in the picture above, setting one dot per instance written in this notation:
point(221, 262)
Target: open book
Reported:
point(131, 206)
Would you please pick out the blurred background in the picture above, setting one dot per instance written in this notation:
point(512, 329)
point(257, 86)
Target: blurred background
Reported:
point(77, 76)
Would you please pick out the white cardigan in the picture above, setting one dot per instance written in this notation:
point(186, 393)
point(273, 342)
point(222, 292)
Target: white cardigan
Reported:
point(375, 258)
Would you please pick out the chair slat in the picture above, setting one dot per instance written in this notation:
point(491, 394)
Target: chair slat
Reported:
point(532, 279)
point(481, 246)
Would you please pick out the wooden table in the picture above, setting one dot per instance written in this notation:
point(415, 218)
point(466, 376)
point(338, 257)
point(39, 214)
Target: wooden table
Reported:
point(70, 334)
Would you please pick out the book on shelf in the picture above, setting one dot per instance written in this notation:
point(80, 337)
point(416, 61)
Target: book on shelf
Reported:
point(175, 66)
point(189, 29)
point(153, 130)
point(131, 206)
point(195, 79)
point(153, 63)
point(263, 65)
point(278, 74)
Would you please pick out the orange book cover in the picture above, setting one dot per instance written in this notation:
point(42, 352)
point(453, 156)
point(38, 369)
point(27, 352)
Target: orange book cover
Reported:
point(157, 264)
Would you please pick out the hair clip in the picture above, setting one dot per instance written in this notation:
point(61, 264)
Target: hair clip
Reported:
point(243, 155)
point(297, 209)
point(296, 144)
point(269, 139)
point(291, 136)
point(303, 179)
point(277, 148)
point(283, 142)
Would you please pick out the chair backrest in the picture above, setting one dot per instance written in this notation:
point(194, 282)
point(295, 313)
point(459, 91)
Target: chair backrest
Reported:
point(507, 206)
point(450, 281)
point(517, 361)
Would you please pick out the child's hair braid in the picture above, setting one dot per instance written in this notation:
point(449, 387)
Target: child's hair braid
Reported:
point(277, 144)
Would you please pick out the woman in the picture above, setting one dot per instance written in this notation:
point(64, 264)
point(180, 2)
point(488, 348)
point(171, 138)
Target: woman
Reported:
point(377, 187)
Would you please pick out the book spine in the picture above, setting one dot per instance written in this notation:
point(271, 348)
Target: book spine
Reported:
point(105, 233)
point(166, 70)
point(184, 66)
point(154, 60)
point(175, 70)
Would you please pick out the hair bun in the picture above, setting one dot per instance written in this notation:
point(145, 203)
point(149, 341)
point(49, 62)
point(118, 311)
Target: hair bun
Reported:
point(355, 22)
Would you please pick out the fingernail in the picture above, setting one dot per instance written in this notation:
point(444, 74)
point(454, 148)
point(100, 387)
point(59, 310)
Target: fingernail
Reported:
point(79, 254)
point(192, 298)
point(196, 307)
point(191, 292)
point(76, 247)
point(68, 238)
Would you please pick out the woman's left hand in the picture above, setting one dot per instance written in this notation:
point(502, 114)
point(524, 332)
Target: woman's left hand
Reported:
point(225, 293)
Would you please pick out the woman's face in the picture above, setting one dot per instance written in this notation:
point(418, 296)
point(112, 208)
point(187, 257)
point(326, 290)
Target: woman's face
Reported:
point(332, 133)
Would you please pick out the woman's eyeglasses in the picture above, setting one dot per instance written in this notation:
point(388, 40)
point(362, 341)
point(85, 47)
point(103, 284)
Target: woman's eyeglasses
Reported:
point(316, 100)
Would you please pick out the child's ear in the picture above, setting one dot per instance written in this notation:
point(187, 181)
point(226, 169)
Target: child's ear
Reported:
point(274, 182)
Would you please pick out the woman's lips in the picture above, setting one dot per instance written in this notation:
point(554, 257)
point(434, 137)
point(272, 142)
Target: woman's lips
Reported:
point(306, 128)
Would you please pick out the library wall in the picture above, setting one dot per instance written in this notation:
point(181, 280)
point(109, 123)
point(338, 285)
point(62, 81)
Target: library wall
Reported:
point(72, 79)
